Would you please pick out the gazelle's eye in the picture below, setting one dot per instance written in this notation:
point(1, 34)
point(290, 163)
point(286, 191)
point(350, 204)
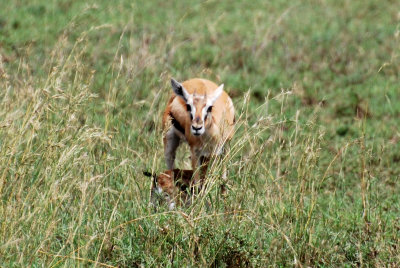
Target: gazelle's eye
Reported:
point(209, 109)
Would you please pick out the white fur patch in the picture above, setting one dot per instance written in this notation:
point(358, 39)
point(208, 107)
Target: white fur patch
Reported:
point(193, 110)
point(171, 206)
point(159, 190)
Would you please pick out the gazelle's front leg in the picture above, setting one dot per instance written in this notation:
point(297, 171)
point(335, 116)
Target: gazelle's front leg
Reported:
point(171, 143)
point(204, 161)
point(199, 166)
point(224, 180)
point(196, 175)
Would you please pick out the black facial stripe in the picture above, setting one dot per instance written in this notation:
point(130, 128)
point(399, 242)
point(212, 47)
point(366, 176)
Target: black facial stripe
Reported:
point(189, 109)
point(208, 112)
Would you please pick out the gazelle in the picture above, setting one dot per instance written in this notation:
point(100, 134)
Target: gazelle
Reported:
point(172, 187)
point(202, 114)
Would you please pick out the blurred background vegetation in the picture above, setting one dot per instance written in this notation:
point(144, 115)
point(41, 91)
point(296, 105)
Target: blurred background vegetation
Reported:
point(314, 176)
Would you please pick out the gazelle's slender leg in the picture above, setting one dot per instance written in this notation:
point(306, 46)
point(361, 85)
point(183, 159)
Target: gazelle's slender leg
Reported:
point(196, 176)
point(204, 161)
point(199, 166)
point(171, 143)
point(224, 180)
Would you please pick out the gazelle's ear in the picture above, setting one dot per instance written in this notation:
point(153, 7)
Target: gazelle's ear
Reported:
point(179, 90)
point(216, 94)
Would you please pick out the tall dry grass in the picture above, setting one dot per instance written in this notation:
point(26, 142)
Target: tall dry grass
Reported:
point(72, 151)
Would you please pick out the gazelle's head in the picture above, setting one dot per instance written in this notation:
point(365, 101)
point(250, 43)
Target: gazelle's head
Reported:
point(198, 107)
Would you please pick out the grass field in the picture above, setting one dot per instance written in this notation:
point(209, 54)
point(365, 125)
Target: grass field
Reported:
point(314, 165)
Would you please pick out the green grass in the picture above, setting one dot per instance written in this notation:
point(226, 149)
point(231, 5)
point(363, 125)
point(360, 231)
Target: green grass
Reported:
point(313, 167)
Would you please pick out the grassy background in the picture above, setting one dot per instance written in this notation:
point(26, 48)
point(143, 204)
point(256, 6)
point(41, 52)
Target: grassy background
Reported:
point(313, 167)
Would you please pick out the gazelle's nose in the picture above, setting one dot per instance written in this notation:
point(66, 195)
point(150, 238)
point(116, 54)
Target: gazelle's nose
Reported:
point(196, 128)
point(197, 131)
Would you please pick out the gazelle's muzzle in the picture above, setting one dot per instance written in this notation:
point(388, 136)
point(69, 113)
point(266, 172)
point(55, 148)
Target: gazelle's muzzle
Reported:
point(197, 130)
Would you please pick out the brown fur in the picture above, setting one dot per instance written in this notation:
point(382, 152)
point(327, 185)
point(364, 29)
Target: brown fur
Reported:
point(175, 181)
point(174, 184)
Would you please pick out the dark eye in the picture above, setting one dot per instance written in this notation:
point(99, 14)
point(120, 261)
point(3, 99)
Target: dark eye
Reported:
point(209, 109)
